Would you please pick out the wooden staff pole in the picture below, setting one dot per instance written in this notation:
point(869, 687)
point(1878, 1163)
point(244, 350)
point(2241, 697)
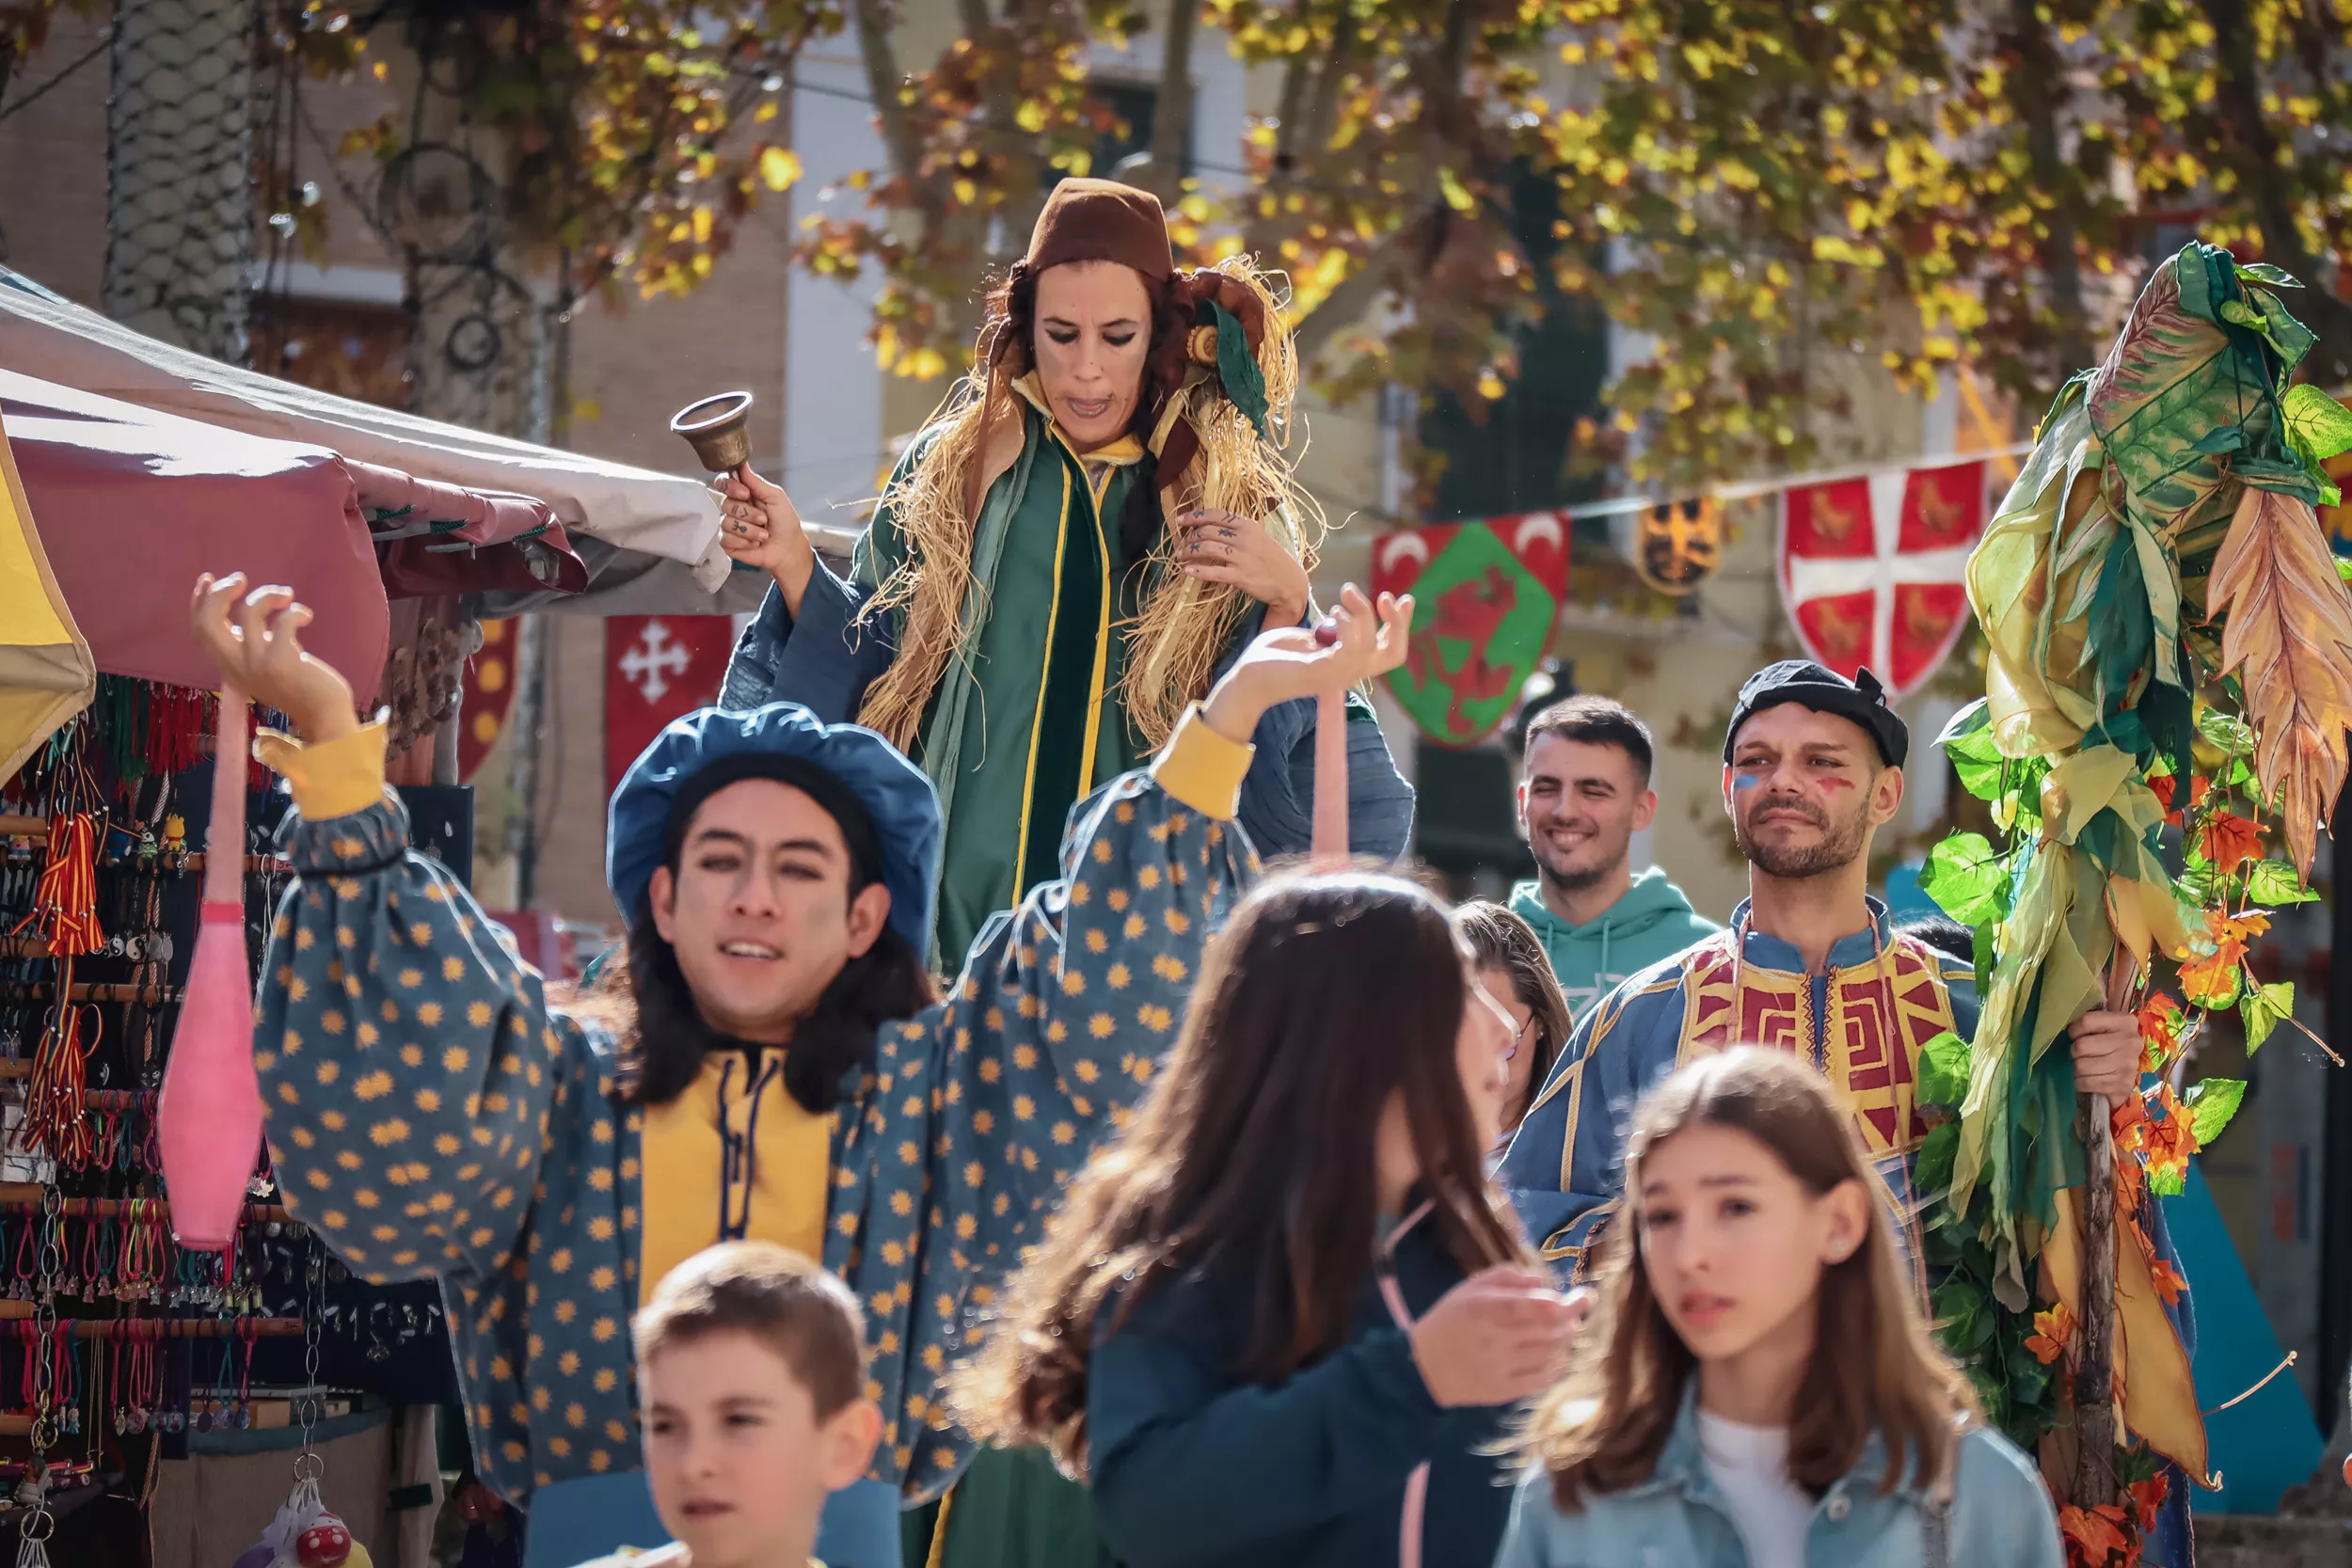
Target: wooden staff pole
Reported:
point(2094, 1369)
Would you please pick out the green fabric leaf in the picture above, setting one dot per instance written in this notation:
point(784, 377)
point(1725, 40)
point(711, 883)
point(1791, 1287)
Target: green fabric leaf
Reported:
point(2265, 272)
point(1942, 1071)
point(2262, 1009)
point(2121, 628)
point(1975, 719)
point(1986, 957)
point(1238, 369)
point(2168, 1183)
point(2225, 731)
point(2344, 567)
point(2317, 424)
point(2274, 882)
point(1932, 1175)
point(2290, 337)
point(2211, 1103)
point(1966, 876)
point(2242, 313)
point(2169, 715)
point(1967, 740)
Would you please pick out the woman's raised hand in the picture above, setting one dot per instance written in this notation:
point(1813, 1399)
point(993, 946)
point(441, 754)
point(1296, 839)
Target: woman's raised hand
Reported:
point(1224, 547)
point(760, 526)
point(253, 639)
point(1363, 641)
point(1498, 1337)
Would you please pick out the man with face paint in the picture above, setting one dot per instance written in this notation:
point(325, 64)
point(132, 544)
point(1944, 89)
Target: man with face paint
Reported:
point(1813, 765)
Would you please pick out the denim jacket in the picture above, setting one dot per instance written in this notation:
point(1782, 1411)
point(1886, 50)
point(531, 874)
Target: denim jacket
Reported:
point(1999, 1516)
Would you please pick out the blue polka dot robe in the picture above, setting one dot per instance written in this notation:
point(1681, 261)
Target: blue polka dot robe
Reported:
point(430, 1113)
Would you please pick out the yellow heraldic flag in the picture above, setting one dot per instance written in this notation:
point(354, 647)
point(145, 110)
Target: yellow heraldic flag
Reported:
point(46, 673)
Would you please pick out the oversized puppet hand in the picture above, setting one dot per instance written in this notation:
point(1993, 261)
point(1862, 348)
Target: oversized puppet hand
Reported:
point(253, 639)
point(760, 526)
point(1223, 546)
point(1293, 661)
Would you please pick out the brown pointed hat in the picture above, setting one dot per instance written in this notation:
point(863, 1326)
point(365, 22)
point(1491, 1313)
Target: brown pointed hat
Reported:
point(1101, 220)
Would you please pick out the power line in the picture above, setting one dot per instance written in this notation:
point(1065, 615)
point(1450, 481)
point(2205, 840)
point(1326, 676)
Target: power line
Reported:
point(106, 36)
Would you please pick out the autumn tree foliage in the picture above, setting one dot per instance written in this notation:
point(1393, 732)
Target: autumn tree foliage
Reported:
point(1765, 195)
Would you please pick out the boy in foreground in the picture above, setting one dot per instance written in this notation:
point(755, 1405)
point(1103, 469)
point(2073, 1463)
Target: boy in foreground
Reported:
point(750, 1364)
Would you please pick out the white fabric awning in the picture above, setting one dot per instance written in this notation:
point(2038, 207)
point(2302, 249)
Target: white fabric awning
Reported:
point(669, 516)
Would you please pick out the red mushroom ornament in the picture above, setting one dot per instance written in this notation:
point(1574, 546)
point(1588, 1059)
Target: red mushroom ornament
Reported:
point(324, 1545)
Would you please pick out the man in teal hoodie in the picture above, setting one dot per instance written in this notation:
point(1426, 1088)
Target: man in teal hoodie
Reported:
point(1583, 793)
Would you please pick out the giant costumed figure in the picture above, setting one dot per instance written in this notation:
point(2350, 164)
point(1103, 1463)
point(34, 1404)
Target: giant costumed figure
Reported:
point(2168, 642)
point(1094, 523)
point(768, 1063)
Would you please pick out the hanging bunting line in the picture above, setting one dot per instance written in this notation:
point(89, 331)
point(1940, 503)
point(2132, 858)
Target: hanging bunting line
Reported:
point(1747, 489)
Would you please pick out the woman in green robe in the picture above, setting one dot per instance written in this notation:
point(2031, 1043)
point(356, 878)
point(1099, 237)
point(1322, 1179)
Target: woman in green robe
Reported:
point(1092, 525)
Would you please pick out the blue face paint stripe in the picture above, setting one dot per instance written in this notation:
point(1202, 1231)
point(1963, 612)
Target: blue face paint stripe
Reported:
point(1744, 780)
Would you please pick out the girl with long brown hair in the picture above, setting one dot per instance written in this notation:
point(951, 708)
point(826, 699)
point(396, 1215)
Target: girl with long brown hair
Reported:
point(1280, 1318)
point(1757, 1388)
point(1511, 964)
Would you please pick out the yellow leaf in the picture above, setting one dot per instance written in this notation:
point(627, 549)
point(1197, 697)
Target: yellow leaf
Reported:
point(765, 112)
point(705, 222)
point(1457, 197)
point(1030, 116)
point(778, 168)
point(966, 193)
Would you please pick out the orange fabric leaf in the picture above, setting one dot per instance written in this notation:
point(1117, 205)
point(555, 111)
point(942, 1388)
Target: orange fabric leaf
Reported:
point(2287, 631)
point(2148, 1499)
point(2159, 1030)
point(2229, 841)
point(2052, 1330)
point(2094, 1534)
point(2167, 1280)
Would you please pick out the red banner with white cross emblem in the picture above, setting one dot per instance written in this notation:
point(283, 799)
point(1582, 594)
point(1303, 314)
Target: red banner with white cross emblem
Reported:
point(656, 667)
point(1872, 568)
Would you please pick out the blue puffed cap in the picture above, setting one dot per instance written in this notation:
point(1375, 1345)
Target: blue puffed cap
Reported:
point(898, 801)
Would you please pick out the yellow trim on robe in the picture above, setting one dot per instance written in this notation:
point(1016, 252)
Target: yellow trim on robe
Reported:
point(1102, 619)
point(686, 1168)
point(332, 778)
point(1037, 720)
point(1202, 767)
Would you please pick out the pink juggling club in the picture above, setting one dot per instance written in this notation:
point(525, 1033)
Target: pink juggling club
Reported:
point(208, 1120)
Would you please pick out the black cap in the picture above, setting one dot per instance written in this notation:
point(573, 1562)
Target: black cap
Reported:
point(1823, 690)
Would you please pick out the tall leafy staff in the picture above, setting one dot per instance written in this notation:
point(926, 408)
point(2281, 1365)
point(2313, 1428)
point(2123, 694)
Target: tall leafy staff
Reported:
point(2170, 643)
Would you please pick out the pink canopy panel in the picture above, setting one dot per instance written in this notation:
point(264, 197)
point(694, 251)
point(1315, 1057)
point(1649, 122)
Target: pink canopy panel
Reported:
point(132, 505)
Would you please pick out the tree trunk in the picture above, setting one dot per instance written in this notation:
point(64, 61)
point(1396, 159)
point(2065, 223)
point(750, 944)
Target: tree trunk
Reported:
point(2271, 193)
point(2042, 88)
point(179, 171)
point(1162, 169)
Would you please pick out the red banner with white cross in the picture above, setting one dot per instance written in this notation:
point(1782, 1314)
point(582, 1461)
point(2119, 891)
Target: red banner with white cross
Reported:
point(656, 667)
point(1872, 568)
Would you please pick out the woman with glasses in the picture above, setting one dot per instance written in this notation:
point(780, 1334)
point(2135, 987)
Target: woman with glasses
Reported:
point(1512, 967)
